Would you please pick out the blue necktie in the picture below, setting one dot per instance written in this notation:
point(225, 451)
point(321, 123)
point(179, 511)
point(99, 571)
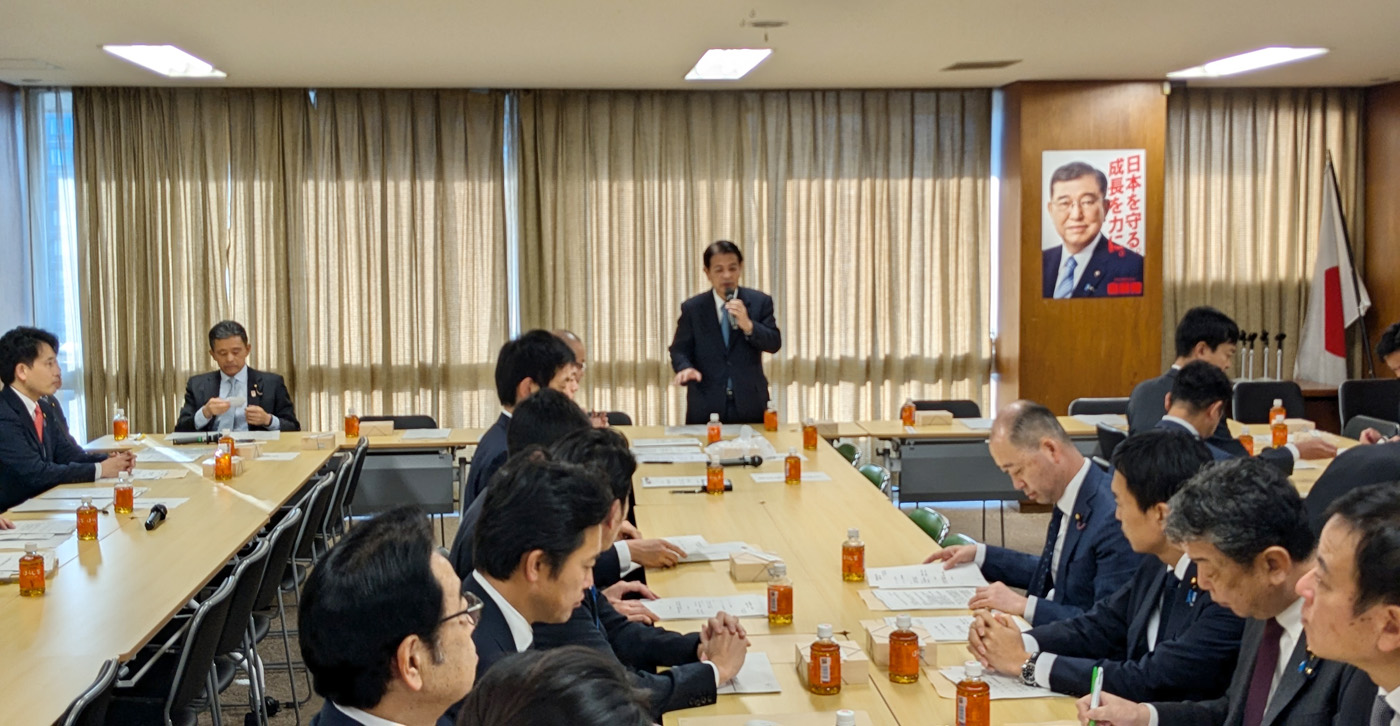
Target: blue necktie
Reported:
point(1047, 557)
point(724, 325)
point(1066, 283)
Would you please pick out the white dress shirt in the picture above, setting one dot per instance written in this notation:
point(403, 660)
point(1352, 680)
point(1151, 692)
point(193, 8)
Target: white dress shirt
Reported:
point(1154, 621)
point(30, 406)
point(200, 420)
point(719, 305)
point(362, 717)
point(520, 630)
point(1081, 263)
point(1392, 699)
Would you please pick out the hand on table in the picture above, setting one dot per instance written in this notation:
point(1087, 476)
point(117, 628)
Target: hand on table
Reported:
point(723, 645)
point(995, 641)
point(635, 610)
point(6, 524)
point(116, 463)
point(655, 552)
point(953, 556)
point(997, 596)
point(1113, 711)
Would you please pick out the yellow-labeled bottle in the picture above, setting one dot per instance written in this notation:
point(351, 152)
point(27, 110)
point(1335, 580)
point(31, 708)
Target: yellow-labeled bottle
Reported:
point(853, 557)
point(87, 520)
point(904, 651)
point(792, 467)
point(31, 571)
point(779, 595)
point(121, 427)
point(824, 669)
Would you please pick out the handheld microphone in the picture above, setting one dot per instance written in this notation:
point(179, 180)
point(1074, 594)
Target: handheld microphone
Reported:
point(732, 293)
point(156, 517)
point(742, 461)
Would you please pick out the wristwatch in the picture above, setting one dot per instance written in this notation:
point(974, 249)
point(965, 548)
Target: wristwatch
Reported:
point(1028, 670)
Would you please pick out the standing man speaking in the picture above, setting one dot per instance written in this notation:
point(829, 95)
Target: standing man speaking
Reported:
point(720, 340)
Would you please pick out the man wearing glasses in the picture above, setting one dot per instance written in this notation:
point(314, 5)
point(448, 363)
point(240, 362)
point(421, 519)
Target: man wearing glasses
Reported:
point(386, 626)
point(1086, 263)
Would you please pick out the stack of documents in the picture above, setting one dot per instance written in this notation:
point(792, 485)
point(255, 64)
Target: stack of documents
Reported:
point(668, 450)
point(697, 549)
point(46, 534)
point(922, 587)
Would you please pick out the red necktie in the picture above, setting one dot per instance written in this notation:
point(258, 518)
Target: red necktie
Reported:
point(39, 423)
point(1265, 663)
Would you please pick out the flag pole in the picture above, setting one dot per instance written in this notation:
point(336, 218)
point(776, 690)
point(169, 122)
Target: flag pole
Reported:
point(1368, 365)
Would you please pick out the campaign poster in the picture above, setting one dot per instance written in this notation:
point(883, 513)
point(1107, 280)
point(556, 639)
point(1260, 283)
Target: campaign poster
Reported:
point(1092, 230)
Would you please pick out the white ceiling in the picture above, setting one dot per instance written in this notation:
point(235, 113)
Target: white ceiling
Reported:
point(652, 43)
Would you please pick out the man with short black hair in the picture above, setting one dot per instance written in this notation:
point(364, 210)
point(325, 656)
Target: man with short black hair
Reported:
point(1157, 637)
point(1085, 558)
point(36, 451)
point(721, 336)
point(536, 360)
point(1351, 608)
point(1388, 349)
point(386, 626)
point(1244, 526)
point(1203, 333)
point(236, 397)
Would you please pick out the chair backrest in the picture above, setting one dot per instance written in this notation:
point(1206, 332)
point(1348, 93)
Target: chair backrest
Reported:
point(1374, 397)
point(1109, 439)
point(959, 407)
point(333, 523)
point(317, 502)
point(1359, 423)
point(1253, 399)
point(413, 421)
point(618, 418)
point(878, 475)
point(90, 709)
point(200, 646)
point(850, 452)
point(931, 521)
point(357, 459)
point(1098, 405)
point(247, 576)
point(282, 539)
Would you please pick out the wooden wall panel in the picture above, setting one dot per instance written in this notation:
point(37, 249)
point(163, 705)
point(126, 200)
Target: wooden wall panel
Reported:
point(1381, 261)
point(1054, 351)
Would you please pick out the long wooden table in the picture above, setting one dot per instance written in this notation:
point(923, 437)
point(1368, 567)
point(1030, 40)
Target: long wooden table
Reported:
point(806, 525)
point(109, 597)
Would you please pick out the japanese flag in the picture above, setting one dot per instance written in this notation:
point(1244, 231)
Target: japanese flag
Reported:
point(1337, 298)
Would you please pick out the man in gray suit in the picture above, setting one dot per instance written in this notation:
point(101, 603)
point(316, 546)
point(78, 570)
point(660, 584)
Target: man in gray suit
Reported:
point(1245, 527)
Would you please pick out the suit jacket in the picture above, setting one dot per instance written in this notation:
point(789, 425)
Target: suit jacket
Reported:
point(1109, 267)
point(1216, 453)
point(265, 390)
point(1146, 407)
point(1332, 693)
point(699, 344)
point(642, 649)
point(607, 570)
point(489, 456)
point(29, 468)
point(1354, 467)
point(1197, 640)
point(491, 637)
point(1095, 561)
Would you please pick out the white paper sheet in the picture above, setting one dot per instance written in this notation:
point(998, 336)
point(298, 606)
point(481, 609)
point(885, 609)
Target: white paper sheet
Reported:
point(943, 598)
point(43, 542)
point(666, 442)
point(256, 435)
point(687, 542)
point(665, 451)
point(950, 629)
point(922, 576)
point(703, 608)
point(9, 564)
point(716, 551)
point(34, 527)
point(109, 442)
point(1116, 420)
point(698, 430)
point(168, 455)
point(1002, 687)
point(673, 482)
point(977, 424)
point(150, 475)
point(76, 493)
point(67, 506)
point(756, 676)
point(780, 477)
point(425, 434)
point(280, 456)
point(649, 458)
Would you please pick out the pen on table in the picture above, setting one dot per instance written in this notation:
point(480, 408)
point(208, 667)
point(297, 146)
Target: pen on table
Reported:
point(728, 486)
point(1095, 690)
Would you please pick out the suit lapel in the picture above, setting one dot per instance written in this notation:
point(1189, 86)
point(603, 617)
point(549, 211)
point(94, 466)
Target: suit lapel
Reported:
point(709, 319)
point(1093, 272)
point(12, 399)
point(1244, 668)
point(1077, 522)
point(1137, 629)
point(255, 391)
point(1290, 683)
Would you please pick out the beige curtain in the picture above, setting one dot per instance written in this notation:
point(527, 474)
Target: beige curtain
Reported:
point(182, 217)
point(864, 214)
point(1244, 200)
point(402, 304)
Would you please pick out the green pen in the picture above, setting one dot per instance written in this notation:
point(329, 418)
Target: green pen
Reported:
point(1095, 688)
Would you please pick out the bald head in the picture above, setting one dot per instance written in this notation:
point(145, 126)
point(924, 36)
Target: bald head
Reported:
point(575, 344)
point(1025, 424)
point(1029, 444)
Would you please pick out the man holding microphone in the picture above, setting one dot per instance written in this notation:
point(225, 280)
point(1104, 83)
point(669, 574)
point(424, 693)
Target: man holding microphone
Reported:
point(720, 340)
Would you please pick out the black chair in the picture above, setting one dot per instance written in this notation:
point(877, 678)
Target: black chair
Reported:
point(282, 539)
point(1109, 439)
point(1091, 406)
point(235, 645)
point(1374, 397)
point(1253, 399)
point(90, 709)
point(412, 421)
point(618, 418)
point(959, 407)
point(1360, 423)
point(318, 500)
point(166, 692)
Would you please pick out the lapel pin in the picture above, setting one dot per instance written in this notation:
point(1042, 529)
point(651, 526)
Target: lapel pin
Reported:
point(1079, 522)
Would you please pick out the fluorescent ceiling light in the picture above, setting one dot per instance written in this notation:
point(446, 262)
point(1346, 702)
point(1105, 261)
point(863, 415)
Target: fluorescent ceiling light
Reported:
point(166, 60)
point(1251, 61)
point(727, 64)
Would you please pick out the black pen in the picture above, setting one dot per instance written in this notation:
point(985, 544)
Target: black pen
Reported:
point(728, 486)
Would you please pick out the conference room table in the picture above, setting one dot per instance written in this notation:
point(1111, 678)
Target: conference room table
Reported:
point(806, 524)
point(108, 598)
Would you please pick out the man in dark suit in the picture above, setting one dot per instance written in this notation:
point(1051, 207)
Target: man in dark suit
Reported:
point(1244, 526)
point(386, 627)
point(720, 340)
point(235, 397)
point(1085, 558)
point(1203, 333)
point(1352, 598)
point(36, 451)
point(1196, 405)
point(1353, 468)
point(1086, 263)
point(536, 360)
point(1157, 637)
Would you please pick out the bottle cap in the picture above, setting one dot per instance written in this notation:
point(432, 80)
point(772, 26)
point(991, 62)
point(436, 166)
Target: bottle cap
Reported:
point(1244, 431)
point(31, 547)
point(809, 421)
point(1278, 401)
point(845, 717)
point(853, 533)
point(714, 418)
point(770, 404)
point(824, 631)
point(972, 669)
point(903, 621)
point(121, 412)
point(87, 501)
point(777, 569)
point(792, 451)
point(352, 412)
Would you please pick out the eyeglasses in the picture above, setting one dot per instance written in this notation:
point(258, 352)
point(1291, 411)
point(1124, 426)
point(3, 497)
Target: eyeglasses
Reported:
point(1064, 205)
point(472, 611)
